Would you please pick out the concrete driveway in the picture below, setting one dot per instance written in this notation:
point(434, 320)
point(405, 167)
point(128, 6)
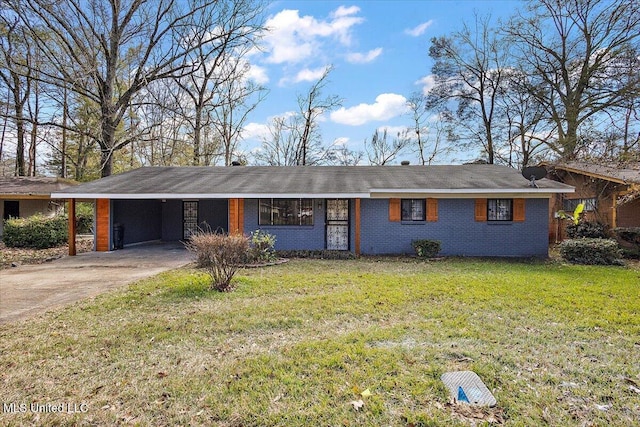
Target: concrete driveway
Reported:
point(31, 289)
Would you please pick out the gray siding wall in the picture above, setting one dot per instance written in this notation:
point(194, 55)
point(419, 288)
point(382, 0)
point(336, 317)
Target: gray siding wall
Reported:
point(289, 237)
point(457, 230)
point(142, 219)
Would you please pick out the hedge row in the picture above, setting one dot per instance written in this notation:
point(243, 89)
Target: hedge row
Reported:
point(592, 251)
point(37, 231)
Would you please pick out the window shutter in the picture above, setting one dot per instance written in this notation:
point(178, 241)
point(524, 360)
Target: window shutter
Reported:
point(432, 210)
point(481, 210)
point(394, 210)
point(519, 210)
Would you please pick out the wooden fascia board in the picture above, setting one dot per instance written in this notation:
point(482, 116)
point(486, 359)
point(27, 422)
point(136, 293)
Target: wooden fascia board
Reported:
point(592, 175)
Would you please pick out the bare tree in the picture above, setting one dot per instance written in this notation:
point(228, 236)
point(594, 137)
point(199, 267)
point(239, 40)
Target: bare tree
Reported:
point(521, 119)
point(237, 98)
point(280, 147)
point(16, 75)
point(381, 151)
point(217, 68)
point(312, 106)
point(340, 155)
point(427, 141)
point(295, 139)
point(91, 43)
point(468, 72)
point(570, 50)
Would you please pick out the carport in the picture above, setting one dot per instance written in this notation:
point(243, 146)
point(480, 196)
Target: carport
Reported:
point(149, 220)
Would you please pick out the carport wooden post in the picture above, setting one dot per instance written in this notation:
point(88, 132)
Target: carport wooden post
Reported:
point(72, 226)
point(357, 227)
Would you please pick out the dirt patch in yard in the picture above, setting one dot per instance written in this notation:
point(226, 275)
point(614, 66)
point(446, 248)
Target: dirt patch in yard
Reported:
point(23, 256)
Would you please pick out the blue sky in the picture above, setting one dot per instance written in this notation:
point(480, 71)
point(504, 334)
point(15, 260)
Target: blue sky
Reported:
point(379, 51)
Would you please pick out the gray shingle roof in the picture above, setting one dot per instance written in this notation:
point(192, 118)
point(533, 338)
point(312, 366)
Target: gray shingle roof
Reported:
point(300, 181)
point(41, 186)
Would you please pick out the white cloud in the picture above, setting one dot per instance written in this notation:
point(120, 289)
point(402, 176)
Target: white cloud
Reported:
point(340, 141)
point(292, 38)
point(427, 82)
point(363, 58)
point(420, 29)
point(255, 131)
point(393, 131)
point(258, 74)
point(387, 106)
point(308, 75)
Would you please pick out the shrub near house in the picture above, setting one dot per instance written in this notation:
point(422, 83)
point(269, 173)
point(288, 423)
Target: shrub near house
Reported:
point(37, 232)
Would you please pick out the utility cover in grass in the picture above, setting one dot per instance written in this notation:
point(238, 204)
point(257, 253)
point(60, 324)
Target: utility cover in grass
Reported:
point(467, 387)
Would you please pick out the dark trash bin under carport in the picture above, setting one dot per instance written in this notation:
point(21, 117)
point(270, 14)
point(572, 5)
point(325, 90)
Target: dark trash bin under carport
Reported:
point(118, 236)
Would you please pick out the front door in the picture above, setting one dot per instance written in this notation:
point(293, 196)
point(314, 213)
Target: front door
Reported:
point(338, 224)
point(189, 219)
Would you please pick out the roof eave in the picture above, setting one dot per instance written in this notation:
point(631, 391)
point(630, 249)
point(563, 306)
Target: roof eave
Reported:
point(181, 196)
point(470, 192)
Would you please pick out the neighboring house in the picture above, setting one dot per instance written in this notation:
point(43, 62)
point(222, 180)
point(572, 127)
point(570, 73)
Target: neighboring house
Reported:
point(474, 210)
point(25, 196)
point(611, 196)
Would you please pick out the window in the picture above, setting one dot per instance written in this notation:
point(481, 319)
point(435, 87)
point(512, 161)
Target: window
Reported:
point(499, 210)
point(570, 205)
point(286, 212)
point(413, 209)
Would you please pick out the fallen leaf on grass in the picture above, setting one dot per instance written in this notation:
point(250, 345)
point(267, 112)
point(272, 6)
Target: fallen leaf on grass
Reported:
point(161, 374)
point(357, 404)
point(366, 393)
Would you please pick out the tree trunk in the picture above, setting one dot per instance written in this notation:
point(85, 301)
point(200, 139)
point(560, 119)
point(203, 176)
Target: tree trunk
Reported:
point(32, 149)
point(20, 169)
point(63, 148)
point(197, 136)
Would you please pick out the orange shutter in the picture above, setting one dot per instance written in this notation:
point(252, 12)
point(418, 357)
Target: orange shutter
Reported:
point(394, 210)
point(432, 210)
point(518, 210)
point(102, 225)
point(481, 210)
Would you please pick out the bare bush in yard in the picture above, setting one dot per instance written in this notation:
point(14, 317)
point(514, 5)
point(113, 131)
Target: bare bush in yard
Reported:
point(221, 255)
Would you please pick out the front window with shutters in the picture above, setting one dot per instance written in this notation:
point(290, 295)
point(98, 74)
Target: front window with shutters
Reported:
point(500, 210)
point(413, 209)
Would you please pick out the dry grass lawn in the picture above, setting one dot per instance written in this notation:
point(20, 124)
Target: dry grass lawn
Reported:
point(298, 342)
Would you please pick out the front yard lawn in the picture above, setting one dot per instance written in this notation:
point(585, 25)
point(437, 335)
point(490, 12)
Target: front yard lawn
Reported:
point(298, 342)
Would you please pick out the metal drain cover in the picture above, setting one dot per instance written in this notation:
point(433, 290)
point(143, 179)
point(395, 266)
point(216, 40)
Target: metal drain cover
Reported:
point(467, 387)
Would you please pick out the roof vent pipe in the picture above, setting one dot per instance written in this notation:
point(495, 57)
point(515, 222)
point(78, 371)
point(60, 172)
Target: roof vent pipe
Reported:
point(405, 163)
